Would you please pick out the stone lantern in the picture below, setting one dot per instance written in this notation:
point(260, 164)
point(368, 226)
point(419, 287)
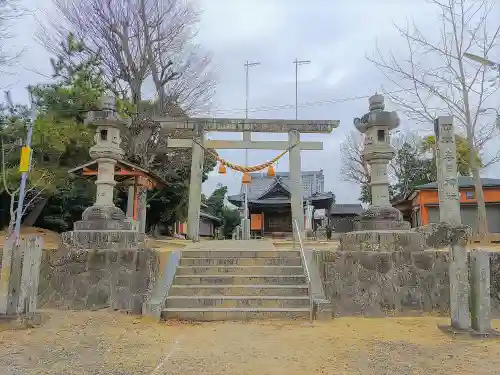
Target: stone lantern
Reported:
point(106, 151)
point(103, 225)
point(378, 152)
point(381, 226)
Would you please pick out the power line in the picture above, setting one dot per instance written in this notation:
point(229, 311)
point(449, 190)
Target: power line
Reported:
point(278, 107)
point(307, 104)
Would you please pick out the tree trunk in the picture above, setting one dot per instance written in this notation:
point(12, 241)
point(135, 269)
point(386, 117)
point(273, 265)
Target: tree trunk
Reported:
point(35, 212)
point(482, 221)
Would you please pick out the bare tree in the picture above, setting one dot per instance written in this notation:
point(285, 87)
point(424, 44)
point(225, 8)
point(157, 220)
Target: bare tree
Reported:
point(437, 78)
point(412, 164)
point(9, 11)
point(409, 166)
point(142, 45)
point(139, 41)
point(34, 191)
point(354, 168)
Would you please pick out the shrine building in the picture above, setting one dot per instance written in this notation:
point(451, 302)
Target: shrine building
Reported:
point(269, 201)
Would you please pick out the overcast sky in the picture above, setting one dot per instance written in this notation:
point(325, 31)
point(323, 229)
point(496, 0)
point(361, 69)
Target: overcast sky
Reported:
point(334, 35)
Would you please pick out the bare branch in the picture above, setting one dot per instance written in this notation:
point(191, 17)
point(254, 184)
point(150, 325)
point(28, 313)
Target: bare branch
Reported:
point(354, 168)
point(138, 40)
point(32, 201)
point(10, 10)
point(4, 169)
point(443, 81)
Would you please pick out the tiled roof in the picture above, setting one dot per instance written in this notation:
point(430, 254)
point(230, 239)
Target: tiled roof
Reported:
point(344, 209)
point(320, 196)
point(261, 183)
point(93, 165)
point(464, 182)
point(210, 217)
point(235, 199)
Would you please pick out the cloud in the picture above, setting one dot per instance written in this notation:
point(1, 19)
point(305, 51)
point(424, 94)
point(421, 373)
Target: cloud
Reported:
point(235, 23)
point(335, 77)
point(334, 35)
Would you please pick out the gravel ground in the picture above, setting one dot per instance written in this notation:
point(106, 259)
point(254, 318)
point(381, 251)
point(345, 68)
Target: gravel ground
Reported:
point(104, 343)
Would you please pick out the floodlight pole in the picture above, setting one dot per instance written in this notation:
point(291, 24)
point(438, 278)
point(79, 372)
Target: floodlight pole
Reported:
point(247, 65)
point(298, 62)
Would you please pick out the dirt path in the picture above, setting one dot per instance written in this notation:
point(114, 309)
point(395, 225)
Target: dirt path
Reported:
point(102, 343)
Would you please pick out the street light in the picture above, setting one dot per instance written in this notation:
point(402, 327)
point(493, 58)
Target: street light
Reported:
point(484, 110)
point(483, 61)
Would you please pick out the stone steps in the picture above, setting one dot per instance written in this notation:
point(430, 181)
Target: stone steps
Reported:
point(238, 290)
point(182, 302)
point(214, 313)
point(239, 284)
point(231, 261)
point(240, 270)
point(240, 254)
point(239, 279)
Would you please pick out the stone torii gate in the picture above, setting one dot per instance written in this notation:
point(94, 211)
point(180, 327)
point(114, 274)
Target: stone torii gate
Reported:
point(200, 126)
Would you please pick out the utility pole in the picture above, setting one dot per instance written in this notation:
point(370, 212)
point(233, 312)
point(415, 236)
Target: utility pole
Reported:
point(298, 62)
point(247, 135)
point(24, 167)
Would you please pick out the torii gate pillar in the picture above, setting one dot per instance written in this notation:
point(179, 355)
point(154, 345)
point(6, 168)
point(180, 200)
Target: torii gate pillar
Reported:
point(297, 190)
point(195, 185)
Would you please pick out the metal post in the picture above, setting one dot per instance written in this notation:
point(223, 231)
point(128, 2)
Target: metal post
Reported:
point(24, 176)
point(298, 62)
point(247, 90)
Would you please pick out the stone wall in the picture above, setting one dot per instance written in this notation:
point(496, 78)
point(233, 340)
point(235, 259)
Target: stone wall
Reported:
point(96, 279)
point(382, 283)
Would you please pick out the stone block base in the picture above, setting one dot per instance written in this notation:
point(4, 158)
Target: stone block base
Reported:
point(385, 283)
point(385, 241)
point(102, 239)
point(103, 225)
point(95, 279)
point(381, 225)
point(440, 235)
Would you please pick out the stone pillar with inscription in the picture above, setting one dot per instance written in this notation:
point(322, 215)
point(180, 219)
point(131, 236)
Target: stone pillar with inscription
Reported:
point(480, 304)
point(446, 164)
point(449, 214)
point(381, 227)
